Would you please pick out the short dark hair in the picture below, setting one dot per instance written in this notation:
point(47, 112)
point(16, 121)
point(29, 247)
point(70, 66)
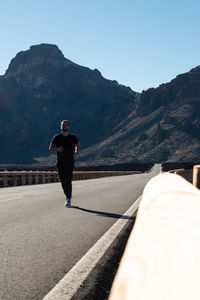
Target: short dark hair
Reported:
point(66, 121)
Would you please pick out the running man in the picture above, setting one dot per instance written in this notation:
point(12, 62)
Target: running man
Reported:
point(67, 147)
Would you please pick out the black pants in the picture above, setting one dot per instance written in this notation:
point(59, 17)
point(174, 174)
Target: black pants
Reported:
point(65, 172)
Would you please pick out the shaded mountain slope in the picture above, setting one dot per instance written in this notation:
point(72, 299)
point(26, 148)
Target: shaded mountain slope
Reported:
point(40, 88)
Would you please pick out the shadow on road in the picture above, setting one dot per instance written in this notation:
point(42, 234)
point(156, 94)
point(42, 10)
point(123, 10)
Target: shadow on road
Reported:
point(104, 214)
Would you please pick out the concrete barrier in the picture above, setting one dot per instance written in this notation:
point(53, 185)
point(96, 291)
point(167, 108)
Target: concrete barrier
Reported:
point(162, 257)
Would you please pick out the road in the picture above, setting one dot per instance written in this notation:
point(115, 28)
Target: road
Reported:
point(41, 240)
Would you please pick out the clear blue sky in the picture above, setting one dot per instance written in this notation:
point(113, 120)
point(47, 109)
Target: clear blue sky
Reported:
point(139, 43)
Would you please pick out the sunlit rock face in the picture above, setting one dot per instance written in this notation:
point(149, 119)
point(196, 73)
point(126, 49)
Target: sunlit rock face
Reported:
point(164, 125)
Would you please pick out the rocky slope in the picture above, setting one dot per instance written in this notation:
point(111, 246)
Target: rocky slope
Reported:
point(163, 126)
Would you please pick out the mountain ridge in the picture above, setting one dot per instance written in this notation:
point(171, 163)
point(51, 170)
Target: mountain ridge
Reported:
point(169, 123)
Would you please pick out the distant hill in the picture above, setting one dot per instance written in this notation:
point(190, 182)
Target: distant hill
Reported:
point(114, 124)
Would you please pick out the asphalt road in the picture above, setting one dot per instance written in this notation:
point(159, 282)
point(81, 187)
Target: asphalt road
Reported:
point(41, 240)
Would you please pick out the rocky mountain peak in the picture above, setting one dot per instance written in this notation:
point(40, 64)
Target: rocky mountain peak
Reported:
point(36, 56)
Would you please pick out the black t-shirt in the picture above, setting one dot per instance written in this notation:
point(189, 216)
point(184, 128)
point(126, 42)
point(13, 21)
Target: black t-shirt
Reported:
point(68, 143)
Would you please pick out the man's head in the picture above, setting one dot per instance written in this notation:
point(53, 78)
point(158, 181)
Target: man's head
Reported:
point(65, 125)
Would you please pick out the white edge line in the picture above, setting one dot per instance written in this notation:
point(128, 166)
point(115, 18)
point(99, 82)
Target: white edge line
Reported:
point(67, 287)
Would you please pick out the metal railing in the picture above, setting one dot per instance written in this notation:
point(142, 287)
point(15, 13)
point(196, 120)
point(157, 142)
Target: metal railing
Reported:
point(14, 178)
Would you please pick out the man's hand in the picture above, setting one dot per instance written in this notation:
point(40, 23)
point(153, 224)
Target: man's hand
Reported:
point(76, 150)
point(60, 149)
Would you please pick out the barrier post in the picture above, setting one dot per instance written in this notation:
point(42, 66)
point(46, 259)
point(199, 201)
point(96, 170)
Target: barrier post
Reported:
point(23, 179)
point(36, 178)
point(196, 176)
point(43, 178)
point(49, 176)
point(30, 178)
point(14, 180)
point(5, 180)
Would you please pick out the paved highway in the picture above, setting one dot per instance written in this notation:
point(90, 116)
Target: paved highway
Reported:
point(41, 240)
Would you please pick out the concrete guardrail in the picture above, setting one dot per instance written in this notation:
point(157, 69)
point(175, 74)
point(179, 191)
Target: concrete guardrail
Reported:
point(162, 256)
point(14, 178)
point(191, 175)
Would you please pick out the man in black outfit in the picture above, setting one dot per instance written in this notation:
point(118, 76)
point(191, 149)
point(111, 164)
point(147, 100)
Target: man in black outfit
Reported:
point(67, 147)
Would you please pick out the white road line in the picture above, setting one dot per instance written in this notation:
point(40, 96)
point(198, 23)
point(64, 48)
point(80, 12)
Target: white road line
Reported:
point(9, 196)
point(11, 199)
point(23, 193)
point(33, 193)
point(70, 283)
point(6, 198)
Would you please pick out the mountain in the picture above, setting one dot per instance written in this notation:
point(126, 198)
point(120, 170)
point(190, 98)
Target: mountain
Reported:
point(164, 126)
point(114, 124)
point(40, 88)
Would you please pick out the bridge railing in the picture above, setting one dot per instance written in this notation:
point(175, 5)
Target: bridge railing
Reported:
point(191, 175)
point(14, 178)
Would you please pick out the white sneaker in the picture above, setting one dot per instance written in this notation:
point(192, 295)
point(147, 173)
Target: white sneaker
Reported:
point(68, 202)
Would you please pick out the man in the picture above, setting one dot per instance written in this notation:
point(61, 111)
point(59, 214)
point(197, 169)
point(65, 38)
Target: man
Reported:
point(67, 147)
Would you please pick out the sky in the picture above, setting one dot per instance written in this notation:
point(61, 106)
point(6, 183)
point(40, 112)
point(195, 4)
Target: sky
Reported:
point(139, 43)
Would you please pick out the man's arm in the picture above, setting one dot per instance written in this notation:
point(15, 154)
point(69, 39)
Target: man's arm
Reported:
point(53, 148)
point(77, 148)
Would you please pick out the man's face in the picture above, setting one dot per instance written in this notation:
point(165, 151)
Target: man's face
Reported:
point(64, 126)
